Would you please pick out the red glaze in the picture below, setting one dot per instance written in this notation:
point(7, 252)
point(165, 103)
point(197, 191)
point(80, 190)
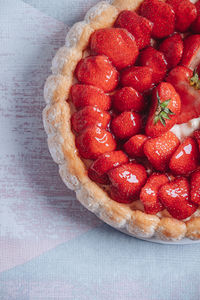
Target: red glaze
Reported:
point(195, 187)
point(191, 52)
point(134, 146)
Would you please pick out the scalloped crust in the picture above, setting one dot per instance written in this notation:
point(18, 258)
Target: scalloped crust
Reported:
point(61, 140)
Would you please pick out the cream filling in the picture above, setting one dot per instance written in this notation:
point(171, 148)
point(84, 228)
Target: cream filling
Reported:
point(186, 129)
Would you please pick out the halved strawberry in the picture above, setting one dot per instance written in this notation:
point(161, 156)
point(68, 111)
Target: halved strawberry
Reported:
point(185, 159)
point(161, 15)
point(172, 47)
point(126, 125)
point(128, 98)
point(134, 146)
point(138, 26)
point(195, 187)
point(175, 196)
point(139, 78)
point(126, 182)
point(94, 141)
point(87, 95)
point(186, 86)
point(116, 43)
point(159, 150)
point(185, 14)
point(165, 108)
point(97, 71)
point(195, 27)
point(149, 193)
point(88, 116)
point(191, 52)
point(154, 59)
point(104, 163)
point(197, 137)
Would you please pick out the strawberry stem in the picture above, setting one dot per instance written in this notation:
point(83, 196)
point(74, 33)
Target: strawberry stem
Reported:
point(162, 112)
point(194, 80)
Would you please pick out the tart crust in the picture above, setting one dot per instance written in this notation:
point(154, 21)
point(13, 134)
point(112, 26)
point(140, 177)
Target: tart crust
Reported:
point(61, 140)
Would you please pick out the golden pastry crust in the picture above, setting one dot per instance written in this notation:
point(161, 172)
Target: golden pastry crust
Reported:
point(61, 140)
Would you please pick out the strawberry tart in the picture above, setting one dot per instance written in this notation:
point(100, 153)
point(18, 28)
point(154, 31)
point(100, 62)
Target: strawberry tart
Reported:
point(122, 116)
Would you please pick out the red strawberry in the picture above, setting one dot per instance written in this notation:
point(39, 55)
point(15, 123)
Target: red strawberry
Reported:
point(172, 47)
point(159, 150)
point(126, 125)
point(195, 187)
point(126, 182)
point(134, 146)
point(197, 137)
point(87, 95)
point(186, 86)
point(191, 52)
point(94, 141)
point(185, 13)
point(162, 16)
point(175, 197)
point(195, 27)
point(185, 159)
point(155, 60)
point(128, 98)
point(139, 78)
point(116, 43)
point(149, 193)
point(97, 71)
point(138, 26)
point(88, 116)
point(104, 163)
point(166, 106)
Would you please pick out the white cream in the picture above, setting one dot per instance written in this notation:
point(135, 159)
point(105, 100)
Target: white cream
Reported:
point(186, 129)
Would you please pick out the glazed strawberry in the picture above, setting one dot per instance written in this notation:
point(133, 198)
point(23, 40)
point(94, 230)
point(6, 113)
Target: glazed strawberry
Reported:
point(159, 150)
point(161, 15)
point(175, 196)
point(117, 44)
point(126, 182)
point(165, 108)
point(172, 47)
point(134, 146)
point(185, 14)
point(104, 163)
point(197, 137)
point(126, 99)
point(97, 71)
point(186, 86)
point(87, 95)
point(155, 60)
point(88, 116)
point(195, 27)
point(149, 193)
point(139, 78)
point(126, 125)
point(195, 187)
point(185, 159)
point(138, 26)
point(191, 52)
point(94, 141)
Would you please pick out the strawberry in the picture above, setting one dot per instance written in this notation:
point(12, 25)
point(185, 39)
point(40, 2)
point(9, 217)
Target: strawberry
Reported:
point(139, 78)
point(159, 150)
point(195, 187)
point(185, 159)
point(126, 125)
point(161, 15)
point(149, 193)
point(94, 141)
point(166, 106)
point(87, 95)
point(97, 71)
point(197, 137)
point(134, 146)
point(175, 196)
point(138, 26)
point(191, 52)
point(186, 84)
point(88, 116)
point(155, 60)
point(172, 47)
point(126, 99)
point(104, 163)
point(116, 43)
point(185, 14)
point(126, 182)
point(195, 27)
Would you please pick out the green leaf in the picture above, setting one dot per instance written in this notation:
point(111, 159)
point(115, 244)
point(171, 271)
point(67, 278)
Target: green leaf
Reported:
point(162, 112)
point(162, 120)
point(156, 119)
point(165, 103)
point(164, 115)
